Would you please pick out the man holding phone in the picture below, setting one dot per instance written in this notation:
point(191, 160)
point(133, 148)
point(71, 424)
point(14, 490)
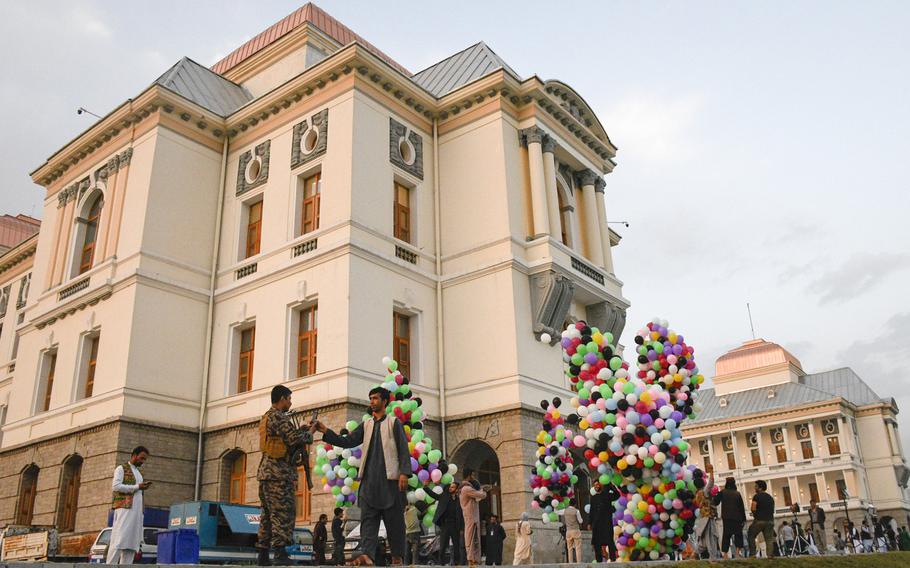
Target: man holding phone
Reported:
point(128, 488)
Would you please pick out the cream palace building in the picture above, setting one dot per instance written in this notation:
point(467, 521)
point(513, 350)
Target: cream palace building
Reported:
point(824, 436)
point(199, 239)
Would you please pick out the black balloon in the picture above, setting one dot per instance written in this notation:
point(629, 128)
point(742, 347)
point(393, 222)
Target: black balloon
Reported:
point(639, 339)
point(557, 402)
point(544, 404)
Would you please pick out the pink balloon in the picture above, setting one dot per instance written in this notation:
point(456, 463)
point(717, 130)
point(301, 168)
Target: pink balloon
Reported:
point(579, 441)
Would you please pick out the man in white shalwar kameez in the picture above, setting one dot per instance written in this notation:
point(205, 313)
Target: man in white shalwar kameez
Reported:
point(128, 487)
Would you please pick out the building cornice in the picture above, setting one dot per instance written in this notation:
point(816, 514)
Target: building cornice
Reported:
point(18, 254)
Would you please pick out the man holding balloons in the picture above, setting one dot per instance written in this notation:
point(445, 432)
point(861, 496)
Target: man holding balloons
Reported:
point(384, 471)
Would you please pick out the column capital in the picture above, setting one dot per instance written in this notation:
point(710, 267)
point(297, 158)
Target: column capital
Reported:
point(549, 145)
point(599, 185)
point(585, 177)
point(531, 135)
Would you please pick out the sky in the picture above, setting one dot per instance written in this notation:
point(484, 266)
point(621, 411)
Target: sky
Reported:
point(763, 153)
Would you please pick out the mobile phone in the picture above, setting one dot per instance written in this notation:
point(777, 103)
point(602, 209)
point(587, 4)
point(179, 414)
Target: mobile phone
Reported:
point(315, 416)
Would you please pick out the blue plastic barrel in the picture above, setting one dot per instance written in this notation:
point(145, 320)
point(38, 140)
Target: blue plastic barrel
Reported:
point(178, 546)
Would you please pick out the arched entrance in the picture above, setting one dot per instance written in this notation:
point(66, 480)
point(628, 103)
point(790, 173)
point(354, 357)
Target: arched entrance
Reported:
point(480, 457)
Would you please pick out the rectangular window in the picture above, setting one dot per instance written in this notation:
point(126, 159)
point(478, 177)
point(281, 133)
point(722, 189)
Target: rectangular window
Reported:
point(245, 366)
point(756, 457)
point(401, 348)
point(238, 480)
point(402, 213)
point(731, 460)
point(306, 342)
point(781, 452)
point(90, 366)
point(254, 229)
point(834, 446)
point(788, 499)
point(808, 453)
point(813, 492)
point(302, 497)
point(50, 363)
point(841, 489)
point(309, 209)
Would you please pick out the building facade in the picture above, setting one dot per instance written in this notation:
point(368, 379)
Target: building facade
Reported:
point(291, 215)
point(826, 437)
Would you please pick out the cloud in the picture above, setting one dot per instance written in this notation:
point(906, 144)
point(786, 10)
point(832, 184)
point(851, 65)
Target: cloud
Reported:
point(655, 129)
point(90, 24)
point(857, 276)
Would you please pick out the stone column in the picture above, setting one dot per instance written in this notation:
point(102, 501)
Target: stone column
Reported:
point(822, 483)
point(109, 176)
point(66, 231)
point(599, 186)
point(51, 277)
point(586, 179)
point(794, 490)
point(533, 137)
point(120, 192)
point(549, 172)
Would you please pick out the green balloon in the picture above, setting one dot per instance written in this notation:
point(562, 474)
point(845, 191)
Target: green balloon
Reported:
point(584, 393)
point(604, 479)
point(417, 415)
point(615, 363)
point(608, 337)
point(434, 456)
point(393, 366)
point(578, 359)
point(413, 481)
point(659, 347)
point(628, 388)
point(446, 478)
point(611, 419)
point(336, 490)
point(351, 425)
point(592, 347)
point(422, 459)
point(428, 520)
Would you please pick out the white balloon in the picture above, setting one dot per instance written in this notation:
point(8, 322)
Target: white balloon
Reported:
point(545, 338)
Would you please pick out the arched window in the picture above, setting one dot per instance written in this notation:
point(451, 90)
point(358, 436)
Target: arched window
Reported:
point(234, 477)
point(69, 494)
point(27, 488)
point(566, 204)
point(90, 233)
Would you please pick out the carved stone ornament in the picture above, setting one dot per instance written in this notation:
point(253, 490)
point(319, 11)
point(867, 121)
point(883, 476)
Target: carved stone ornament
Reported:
point(551, 296)
point(585, 177)
point(405, 148)
point(606, 317)
point(253, 169)
point(72, 191)
point(599, 185)
point(310, 139)
point(548, 145)
point(531, 135)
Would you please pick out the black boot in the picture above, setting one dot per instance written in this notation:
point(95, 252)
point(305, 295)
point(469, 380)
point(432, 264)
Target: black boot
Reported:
point(262, 559)
point(281, 557)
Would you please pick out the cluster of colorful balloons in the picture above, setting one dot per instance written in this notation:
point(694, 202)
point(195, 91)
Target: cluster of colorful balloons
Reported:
point(430, 473)
point(628, 420)
point(552, 478)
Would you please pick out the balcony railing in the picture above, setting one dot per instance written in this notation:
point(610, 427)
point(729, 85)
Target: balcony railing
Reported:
point(72, 289)
point(588, 271)
point(405, 255)
point(245, 271)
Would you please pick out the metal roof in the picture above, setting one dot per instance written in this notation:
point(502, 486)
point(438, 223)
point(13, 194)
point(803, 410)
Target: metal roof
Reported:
point(308, 13)
point(204, 87)
point(460, 69)
point(818, 387)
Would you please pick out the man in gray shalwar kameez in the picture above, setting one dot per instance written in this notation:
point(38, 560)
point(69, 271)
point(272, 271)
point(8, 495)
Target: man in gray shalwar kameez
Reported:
point(384, 471)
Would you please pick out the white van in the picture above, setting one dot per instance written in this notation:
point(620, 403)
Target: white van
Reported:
point(148, 548)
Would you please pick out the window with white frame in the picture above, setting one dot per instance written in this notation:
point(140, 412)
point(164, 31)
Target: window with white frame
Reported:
point(308, 201)
point(46, 373)
point(88, 361)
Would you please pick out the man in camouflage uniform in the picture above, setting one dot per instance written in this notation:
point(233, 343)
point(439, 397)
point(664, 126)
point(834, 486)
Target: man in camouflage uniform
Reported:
point(277, 477)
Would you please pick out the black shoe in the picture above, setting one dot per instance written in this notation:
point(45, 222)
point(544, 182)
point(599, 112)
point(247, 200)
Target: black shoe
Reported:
point(281, 558)
point(262, 559)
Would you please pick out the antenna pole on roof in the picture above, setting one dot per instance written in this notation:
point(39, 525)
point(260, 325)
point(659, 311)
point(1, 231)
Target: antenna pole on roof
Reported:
point(752, 327)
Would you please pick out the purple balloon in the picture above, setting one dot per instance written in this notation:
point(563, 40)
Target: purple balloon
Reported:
point(566, 342)
point(423, 475)
point(415, 465)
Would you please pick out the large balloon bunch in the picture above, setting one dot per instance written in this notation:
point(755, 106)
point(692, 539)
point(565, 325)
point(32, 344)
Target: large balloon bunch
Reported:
point(552, 477)
point(629, 418)
point(429, 471)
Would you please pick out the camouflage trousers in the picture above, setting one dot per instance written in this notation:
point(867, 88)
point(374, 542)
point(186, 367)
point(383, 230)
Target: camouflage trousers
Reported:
point(278, 502)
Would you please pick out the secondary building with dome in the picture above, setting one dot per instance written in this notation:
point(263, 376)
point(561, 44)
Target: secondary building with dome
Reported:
point(826, 436)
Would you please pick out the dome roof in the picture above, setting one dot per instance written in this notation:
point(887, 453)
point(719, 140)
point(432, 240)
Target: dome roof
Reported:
point(753, 355)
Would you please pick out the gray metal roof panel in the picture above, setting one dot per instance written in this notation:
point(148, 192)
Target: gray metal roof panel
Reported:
point(204, 87)
point(845, 383)
point(818, 387)
point(460, 69)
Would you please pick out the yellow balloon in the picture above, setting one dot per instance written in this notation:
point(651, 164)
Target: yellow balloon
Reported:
point(555, 414)
point(672, 337)
point(642, 505)
point(622, 464)
point(598, 338)
point(583, 424)
point(603, 456)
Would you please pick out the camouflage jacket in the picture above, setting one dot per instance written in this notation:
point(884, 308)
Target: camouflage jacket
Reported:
point(281, 469)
